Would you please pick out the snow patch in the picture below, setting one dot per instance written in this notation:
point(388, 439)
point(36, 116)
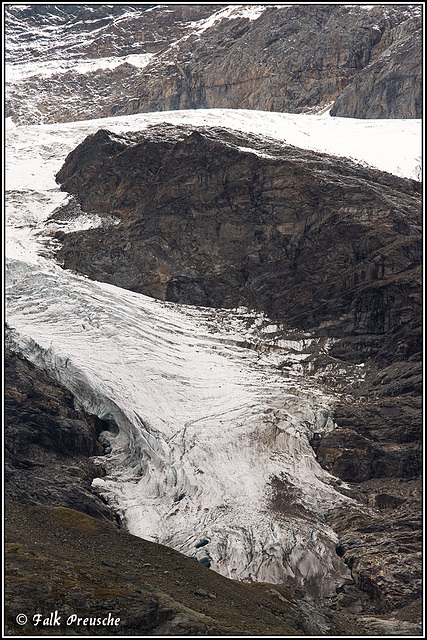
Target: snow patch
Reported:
point(390, 145)
point(45, 69)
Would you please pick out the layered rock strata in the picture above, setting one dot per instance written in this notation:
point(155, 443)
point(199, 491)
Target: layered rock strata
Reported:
point(384, 88)
point(289, 58)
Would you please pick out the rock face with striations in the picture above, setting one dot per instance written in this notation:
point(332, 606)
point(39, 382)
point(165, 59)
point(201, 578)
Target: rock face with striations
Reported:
point(288, 58)
point(390, 86)
point(49, 443)
point(291, 59)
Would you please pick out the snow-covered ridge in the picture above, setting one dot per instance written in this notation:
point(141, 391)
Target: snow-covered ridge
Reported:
point(391, 145)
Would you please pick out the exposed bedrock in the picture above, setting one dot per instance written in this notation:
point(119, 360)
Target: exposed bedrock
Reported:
point(384, 549)
point(49, 443)
point(376, 449)
point(216, 218)
point(377, 438)
point(290, 58)
point(385, 88)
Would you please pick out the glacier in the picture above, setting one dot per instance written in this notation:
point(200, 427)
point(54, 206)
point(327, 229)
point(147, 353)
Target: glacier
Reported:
point(211, 411)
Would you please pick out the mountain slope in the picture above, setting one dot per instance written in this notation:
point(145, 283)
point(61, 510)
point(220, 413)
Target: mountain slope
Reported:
point(384, 88)
point(291, 58)
point(91, 569)
point(213, 217)
point(285, 451)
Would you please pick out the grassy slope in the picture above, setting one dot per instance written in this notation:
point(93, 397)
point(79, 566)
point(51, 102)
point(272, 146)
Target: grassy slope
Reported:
point(64, 560)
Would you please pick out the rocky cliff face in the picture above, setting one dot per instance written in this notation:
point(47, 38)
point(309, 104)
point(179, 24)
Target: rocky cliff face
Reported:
point(212, 217)
point(384, 88)
point(292, 58)
point(49, 443)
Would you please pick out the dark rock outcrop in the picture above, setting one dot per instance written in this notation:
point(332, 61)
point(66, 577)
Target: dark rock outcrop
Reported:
point(383, 548)
point(376, 449)
point(293, 58)
point(390, 86)
point(215, 218)
point(378, 436)
point(49, 443)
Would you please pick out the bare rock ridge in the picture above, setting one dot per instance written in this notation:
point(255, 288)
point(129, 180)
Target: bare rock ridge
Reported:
point(292, 58)
point(209, 216)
